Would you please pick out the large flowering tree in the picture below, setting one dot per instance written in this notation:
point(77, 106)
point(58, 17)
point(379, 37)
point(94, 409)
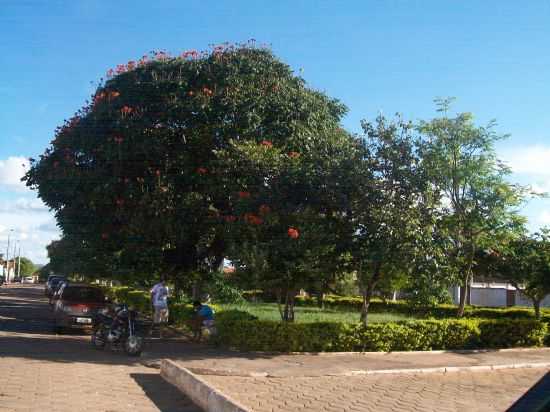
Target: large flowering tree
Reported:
point(136, 172)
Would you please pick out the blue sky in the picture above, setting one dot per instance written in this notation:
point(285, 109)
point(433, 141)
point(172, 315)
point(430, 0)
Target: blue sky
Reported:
point(389, 56)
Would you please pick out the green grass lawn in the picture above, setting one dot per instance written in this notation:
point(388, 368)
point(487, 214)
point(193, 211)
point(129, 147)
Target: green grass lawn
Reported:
point(269, 311)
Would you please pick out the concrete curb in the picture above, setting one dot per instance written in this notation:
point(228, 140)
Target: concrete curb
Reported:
point(200, 392)
point(411, 352)
point(359, 372)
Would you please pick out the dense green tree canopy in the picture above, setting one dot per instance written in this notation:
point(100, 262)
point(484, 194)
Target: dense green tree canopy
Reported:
point(136, 173)
point(525, 263)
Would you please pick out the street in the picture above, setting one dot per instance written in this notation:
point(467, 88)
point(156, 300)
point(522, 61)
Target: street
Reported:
point(41, 371)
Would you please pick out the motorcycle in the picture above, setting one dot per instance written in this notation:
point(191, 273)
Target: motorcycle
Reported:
point(117, 329)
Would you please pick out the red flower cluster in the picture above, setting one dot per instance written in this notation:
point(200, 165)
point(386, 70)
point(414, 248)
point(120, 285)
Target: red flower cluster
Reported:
point(253, 219)
point(293, 233)
point(120, 68)
point(207, 91)
point(99, 97)
point(119, 202)
point(157, 172)
point(264, 210)
point(104, 236)
point(143, 60)
point(193, 54)
point(162, 55)
point(118, 139)
point(202, 170)
point(230, 218)
point(294, 155)
point(267, 144)
point(126, 110)
point(244, 195)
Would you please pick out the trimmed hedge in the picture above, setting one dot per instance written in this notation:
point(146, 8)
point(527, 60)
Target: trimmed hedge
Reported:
point(440, 311)
point(392, 336)
point(513, 328)
point(136, 298)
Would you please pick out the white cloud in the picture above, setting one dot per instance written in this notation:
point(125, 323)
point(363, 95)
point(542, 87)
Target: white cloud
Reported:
point(23, 205)
point(12, 170)
point(533, 160)
point(23, 217)
point(29, 222)
point(544, 218)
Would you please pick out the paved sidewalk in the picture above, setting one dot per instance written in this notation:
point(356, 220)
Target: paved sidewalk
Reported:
point(494, 391)
point(212, 361)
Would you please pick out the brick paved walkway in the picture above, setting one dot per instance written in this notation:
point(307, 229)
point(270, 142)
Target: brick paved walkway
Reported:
point(40, 371)
point(456, 391)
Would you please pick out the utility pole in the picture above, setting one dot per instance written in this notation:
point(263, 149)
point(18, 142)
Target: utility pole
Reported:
point(8, 258)
point(19, 262)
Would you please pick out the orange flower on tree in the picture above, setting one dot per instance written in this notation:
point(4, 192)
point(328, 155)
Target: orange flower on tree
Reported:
point(244, 194)
point(253, 219)
point(114, 94)
point(267, 144)
point(293, 233)
point(202, 170)
point(264, 210)
point(207, 91)
point(294, 155)
point(126, 110)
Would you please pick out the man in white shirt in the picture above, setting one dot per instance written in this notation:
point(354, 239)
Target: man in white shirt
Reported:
point(159, 300)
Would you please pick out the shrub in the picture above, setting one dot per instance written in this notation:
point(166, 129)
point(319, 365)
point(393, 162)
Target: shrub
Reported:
point(512, 333)
point(392, 336)
point(438, 311)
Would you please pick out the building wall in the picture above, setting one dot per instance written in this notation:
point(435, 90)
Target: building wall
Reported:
point(523, 300)
point(492, 297)
point(495, 296)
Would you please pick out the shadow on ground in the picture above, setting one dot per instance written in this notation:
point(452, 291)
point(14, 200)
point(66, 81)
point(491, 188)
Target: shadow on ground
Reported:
point(166, 397)
point(536, 399)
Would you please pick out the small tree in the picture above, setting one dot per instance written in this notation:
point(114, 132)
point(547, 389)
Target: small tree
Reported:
point(280, 228)
point(385, 199)
point(525, 263)
point(27, 266)
point(476, 201)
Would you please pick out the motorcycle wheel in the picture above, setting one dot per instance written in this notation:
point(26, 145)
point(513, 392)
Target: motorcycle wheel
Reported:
point(98, 338)
point(133, 345)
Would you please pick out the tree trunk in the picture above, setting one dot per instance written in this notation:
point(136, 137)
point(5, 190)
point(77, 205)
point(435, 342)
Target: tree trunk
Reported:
point(288, 313)
point(321, 300)
point(463, 292)
point(536, 306)
point(367, 293)
point(196, 290)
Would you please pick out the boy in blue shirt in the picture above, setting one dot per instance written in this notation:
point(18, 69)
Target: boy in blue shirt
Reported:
point(204, 317)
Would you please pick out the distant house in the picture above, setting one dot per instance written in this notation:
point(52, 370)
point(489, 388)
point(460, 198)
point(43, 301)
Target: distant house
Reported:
point(492, 293)
point(8, 269)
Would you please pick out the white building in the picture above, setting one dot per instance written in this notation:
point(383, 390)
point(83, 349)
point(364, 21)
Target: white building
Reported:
point(495, 294)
